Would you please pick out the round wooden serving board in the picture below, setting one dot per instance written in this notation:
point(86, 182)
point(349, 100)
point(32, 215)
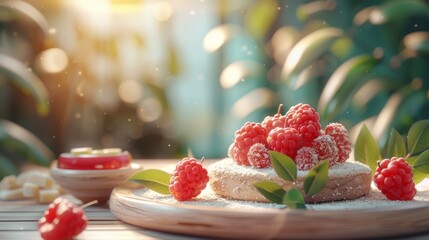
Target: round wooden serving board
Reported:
point(130, 206)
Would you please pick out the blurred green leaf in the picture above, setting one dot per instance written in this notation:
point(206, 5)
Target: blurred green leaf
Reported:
point(306, 11)
point(316, 178)
point(154, 179)
point(174, 62)
point(366, 149)
point(15, 138)
point(7, 167)
point(398, 11)
point(346, 79)
point(417, 42)
point(418, 137)
point(260, 17)
point(309, 49)
point(284, 166)
point(396, 145)
point(271, 191)
point(25, 80)
point(294, 199)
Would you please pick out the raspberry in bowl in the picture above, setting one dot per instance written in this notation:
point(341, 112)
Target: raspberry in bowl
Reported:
point(90, 174)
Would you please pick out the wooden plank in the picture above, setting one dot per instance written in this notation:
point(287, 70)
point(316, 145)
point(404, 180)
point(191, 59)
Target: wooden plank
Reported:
point(139, 234)
point(35, 216)
point(92, 226)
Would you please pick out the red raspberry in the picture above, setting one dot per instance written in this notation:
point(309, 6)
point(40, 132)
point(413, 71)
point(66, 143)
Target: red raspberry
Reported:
point(259, 156)
point(245, 137)
point(341, 137)
point(326, 149)
point(62, 220)
point(285, 140)
point(306, 158)
point(188, 179)
point(305, 119)
point(278, 120)
point(394, 178)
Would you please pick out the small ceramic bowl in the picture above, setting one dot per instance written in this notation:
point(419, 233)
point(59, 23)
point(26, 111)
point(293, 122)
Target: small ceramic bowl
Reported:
point(89, 185)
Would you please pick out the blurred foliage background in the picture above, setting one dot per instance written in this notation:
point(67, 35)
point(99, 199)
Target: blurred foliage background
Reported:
point(159, 77)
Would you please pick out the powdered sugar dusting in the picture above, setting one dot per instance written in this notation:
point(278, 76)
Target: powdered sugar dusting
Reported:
point(339, 170)
point(374, 200)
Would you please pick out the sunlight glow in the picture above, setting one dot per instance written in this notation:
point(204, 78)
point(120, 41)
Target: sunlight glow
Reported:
point(217, 37)
point(236, 72)
point(130, 91)
point(162, 11)
point(53, 60)
point(252, 101)
point(149, 110)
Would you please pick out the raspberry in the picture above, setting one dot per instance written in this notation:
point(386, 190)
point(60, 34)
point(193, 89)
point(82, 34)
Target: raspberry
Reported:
point(188, 180)
point(326, 149)
point(245, 137)
point(271, 122)
point(259, 156)
point(305, 119)
point(394, 178)
point(285, 140)
point(341, 137)
point(62, 220)
point(306, 158)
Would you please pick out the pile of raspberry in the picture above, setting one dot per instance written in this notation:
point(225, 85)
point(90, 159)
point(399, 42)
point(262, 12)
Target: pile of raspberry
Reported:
point(297, 134)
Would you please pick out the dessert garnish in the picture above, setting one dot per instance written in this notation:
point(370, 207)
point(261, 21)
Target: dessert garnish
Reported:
point(189, 178)
point(286, 168)
point(297, 134)
point(404, 164)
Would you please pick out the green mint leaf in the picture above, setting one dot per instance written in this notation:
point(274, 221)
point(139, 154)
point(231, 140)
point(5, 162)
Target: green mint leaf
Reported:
point(366, 149)
point(294, 199)
point(154, 179)
point(284, 166)
point(316, 178)
point(271, 191)
point(418, 175)
point(396, 145)
point(418, 137)
point(422, 162)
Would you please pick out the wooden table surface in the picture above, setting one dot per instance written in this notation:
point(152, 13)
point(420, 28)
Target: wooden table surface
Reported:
point(18, 219)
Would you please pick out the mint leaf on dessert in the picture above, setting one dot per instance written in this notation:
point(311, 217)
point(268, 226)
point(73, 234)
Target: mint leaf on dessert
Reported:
point(396, 145)
point(154, 179)
point(284, 166)
point(316, 178)
point(271, 191)
point(418, 137)
point(422, 162)
point(294, 199)
point(366, 149)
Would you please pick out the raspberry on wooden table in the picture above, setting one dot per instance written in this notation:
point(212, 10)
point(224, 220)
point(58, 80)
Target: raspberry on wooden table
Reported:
point(246, 137)
point(188, 180)
point(341, 137)
point(259, 156)
point(285, 140)
point(306, 158)
point(305, 119)
point(326, 149)
point(62, 220)
point(394, 178)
